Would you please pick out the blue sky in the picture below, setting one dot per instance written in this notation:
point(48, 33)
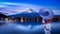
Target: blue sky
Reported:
point(53, 4)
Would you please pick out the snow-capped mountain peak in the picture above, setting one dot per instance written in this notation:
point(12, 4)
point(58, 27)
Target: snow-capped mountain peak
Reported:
point(29, 10)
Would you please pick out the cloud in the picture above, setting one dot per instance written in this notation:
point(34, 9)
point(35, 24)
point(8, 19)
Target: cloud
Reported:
point(14, 8)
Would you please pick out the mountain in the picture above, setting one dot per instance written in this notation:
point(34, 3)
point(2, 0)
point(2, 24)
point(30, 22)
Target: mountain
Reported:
point(27, 13)
point(2, 15)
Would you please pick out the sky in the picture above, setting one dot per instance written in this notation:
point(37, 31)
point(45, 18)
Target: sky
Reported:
point(35, 4)
point(53, 3)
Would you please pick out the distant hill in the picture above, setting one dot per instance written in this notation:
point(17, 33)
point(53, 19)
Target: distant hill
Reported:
point(2, 15)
